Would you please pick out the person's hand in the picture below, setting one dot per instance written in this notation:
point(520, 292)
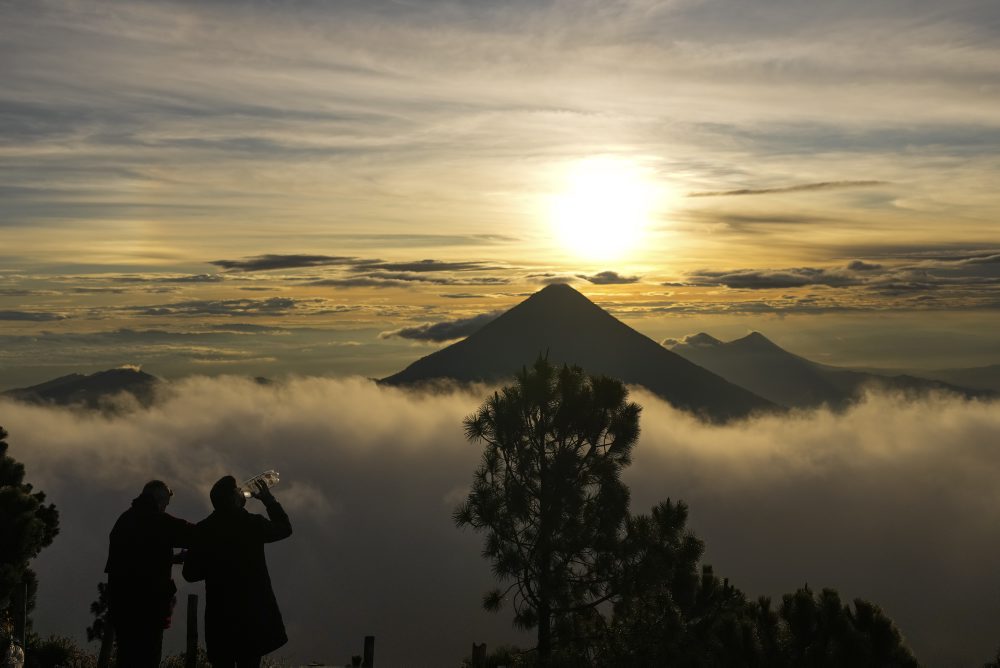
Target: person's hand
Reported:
point(263, 491)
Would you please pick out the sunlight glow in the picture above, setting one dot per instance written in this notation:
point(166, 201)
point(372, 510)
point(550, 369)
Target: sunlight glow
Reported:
point(604, 209)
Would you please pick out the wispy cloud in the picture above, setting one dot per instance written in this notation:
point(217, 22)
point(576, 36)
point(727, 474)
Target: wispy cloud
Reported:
point(608, 278)
point(424, 266)
point(805, 187)
point(447, 330)
point(31, 316)
point(404, 280)
point(960, 280)
point(754, 279)
point(272, 261)
point(220, 307)
point(550, 278)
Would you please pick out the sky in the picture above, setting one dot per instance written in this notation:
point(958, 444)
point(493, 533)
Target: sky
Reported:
point(278, 188)
point(894, 501)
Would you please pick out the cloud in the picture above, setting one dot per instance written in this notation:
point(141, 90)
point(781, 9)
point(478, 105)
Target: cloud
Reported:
point(931, 252)
point(404, 280)
point(983, 259)
point(961, 281)
point(22, 292)
point(700, 340)
point(224, 307)
point(271, 261)
point(549, 278)
point(192, 278)
point(889, 493)
point(425, 265)
point(779, 306)
point(31, 316)
point(97, 291)
point(609, 278)
point(756, 279)
point(805, 187)
point(447, 330)
point(741, 221)
point(860, 265)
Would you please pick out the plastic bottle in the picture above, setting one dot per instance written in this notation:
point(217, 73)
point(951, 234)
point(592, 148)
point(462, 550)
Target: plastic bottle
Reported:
point(249, 488)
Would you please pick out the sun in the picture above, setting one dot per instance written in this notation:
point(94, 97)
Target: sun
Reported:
point(604, 209)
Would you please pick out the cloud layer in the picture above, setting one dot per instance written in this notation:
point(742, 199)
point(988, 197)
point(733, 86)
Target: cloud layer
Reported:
point(894, 501)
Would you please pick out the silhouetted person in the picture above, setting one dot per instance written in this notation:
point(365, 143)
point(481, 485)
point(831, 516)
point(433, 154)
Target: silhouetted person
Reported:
point(140, 589)
point(242, 620)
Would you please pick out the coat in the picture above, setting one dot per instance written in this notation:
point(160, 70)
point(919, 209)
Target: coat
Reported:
point(140, 556)
point(241, 613)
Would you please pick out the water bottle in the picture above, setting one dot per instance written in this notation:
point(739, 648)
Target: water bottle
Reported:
point(249, 488)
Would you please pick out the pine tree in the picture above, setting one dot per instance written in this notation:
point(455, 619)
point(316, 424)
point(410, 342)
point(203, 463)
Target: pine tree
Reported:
point(27, 525)
point(548, 494)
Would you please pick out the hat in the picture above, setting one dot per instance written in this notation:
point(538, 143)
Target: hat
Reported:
point(223, 492)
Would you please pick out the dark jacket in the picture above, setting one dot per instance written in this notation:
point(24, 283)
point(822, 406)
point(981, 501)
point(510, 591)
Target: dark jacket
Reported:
point(140, 555)
point(241, 613)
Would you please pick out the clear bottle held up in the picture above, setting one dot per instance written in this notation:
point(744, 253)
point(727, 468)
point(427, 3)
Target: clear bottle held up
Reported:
point(249, 487)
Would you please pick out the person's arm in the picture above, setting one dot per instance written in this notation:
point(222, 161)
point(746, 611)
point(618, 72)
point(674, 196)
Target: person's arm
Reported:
point(180, 532)
point(277, 526)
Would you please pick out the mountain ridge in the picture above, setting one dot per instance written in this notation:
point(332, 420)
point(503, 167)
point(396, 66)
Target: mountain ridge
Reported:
point(790, 380)
point(94, 390)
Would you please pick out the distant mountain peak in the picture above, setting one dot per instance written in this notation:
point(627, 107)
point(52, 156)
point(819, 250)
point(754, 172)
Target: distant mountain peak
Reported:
point(755, 340)
point(702, 340)
point(90, 390)
point(556, 287)
point(562, 293)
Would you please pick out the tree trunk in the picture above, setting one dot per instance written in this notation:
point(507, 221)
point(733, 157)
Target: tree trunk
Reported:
point(544, 634)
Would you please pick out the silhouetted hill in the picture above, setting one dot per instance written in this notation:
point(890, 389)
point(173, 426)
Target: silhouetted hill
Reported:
point(772, 372)
point(754, 362)
point(977, 378)
point(561, 322)
point(93, 391)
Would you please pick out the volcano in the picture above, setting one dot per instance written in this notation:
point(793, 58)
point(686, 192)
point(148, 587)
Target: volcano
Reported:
point(564, 325)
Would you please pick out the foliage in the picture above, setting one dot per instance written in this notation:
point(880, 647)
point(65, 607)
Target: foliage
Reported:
point(821, 631)
point(56, 652)
point(505, 655)
point(548, 493)
point(99, 608)
point(719, 627)
point(26, 523)
point(179, 660)
point(606, 588)
point(666, 611)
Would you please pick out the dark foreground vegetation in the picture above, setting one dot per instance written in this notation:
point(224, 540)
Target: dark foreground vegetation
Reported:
point(604, 587)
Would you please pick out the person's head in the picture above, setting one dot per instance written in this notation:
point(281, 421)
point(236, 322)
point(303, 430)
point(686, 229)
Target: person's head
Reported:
point(158, 491)
point(226, 494)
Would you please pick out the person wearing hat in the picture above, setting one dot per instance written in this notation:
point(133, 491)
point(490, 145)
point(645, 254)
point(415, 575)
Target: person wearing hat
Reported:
point(242, 619)
point(140, 588)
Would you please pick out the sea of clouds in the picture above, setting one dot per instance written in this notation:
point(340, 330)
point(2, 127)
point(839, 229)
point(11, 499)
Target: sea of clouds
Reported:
point(896, 500)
